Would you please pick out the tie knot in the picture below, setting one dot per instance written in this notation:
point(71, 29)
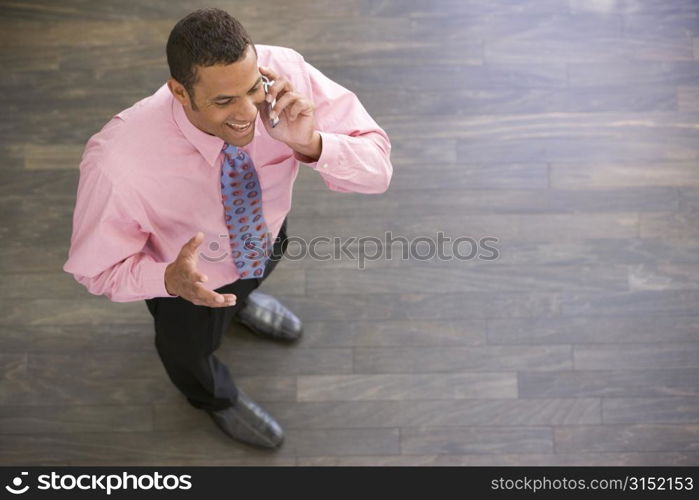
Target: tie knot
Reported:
point(234, 152)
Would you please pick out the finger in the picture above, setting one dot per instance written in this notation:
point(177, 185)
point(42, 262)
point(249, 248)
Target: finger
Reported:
point(227, 301)
point(190, 247)
point(278, 89)
point(211, 298)
point(283, 102)
point(300, 107)
point(268, 72)
point(208, 297)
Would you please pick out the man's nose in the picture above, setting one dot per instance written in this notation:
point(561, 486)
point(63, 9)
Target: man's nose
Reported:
point(251, 107)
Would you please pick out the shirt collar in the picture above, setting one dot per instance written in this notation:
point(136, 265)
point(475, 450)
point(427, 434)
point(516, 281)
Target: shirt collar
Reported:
point(209, 146)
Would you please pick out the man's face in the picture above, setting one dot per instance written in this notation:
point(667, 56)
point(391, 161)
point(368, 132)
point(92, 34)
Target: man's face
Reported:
point(224, 98)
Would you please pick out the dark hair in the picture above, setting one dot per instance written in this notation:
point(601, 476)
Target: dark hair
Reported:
point(205, 37)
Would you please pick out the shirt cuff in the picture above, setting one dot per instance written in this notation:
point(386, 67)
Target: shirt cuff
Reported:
point(154, 279)
point(329, 153)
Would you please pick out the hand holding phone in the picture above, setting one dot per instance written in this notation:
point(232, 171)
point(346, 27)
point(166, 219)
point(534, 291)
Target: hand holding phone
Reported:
point(267, 83)
point(299, 130)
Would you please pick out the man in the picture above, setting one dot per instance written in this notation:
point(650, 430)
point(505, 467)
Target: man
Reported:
point(200, 162)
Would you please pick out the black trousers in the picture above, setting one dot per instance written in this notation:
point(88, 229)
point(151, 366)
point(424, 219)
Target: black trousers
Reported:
point(186, 337)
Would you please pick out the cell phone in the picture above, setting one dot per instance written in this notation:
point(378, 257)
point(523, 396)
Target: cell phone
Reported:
point(267, 83)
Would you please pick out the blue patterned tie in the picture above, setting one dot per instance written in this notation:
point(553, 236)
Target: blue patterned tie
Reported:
point(251, 241)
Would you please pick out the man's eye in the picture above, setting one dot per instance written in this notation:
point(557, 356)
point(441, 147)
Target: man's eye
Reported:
point(222, 103)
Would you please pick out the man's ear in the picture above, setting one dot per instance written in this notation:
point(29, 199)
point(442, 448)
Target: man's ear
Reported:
point(178, 91)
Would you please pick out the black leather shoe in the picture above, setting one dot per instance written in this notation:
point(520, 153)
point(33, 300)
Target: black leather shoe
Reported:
point(246, 421)
point(268, 317)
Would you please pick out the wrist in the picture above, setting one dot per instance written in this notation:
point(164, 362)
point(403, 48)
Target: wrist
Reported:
point(310, 151)
point(167, 289)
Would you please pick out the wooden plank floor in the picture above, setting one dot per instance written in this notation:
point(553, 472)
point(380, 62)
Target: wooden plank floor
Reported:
point(566, 129)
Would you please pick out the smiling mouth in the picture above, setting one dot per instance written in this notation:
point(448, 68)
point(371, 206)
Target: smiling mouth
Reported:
point(239, 128)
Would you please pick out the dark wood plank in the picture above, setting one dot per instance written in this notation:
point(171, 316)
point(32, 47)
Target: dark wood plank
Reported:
point(608, 383)
point(565, 227)
point(665, 137)
point(641, 437)
point(603, 74)
point(286, 360)
point(60, 184)
point(496, 100)
point(398, 202)
point(466, 276)
point(576, 175)
point(148, 447)
point(415, 8)
point(664, 302)
point(664, 276)
point(372, 40)
point(134, 10)
point(448, 77)
point(285, 280)
point(98, 365)
point(85, 310)
point(439, 306)
point(68, 389)
point(667, 410)
point(406, 387)
point(460, 359)
point(659, 8)
point(75, 419)
point(670, 24)
point(53, 284)
point(511, 460)
point(463, 440)
point(688, 95)
point(552, 22)
point(581, 330)
point(630, 356)
point(678, 226)
point(550, 50)
point(13, 365)
point(689, 199)
point(394, 333)
point(364, 441)
point(77, 338)
point(77, 390)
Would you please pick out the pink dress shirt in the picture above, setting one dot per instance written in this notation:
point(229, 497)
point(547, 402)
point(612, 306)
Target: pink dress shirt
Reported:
point(150, 180)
